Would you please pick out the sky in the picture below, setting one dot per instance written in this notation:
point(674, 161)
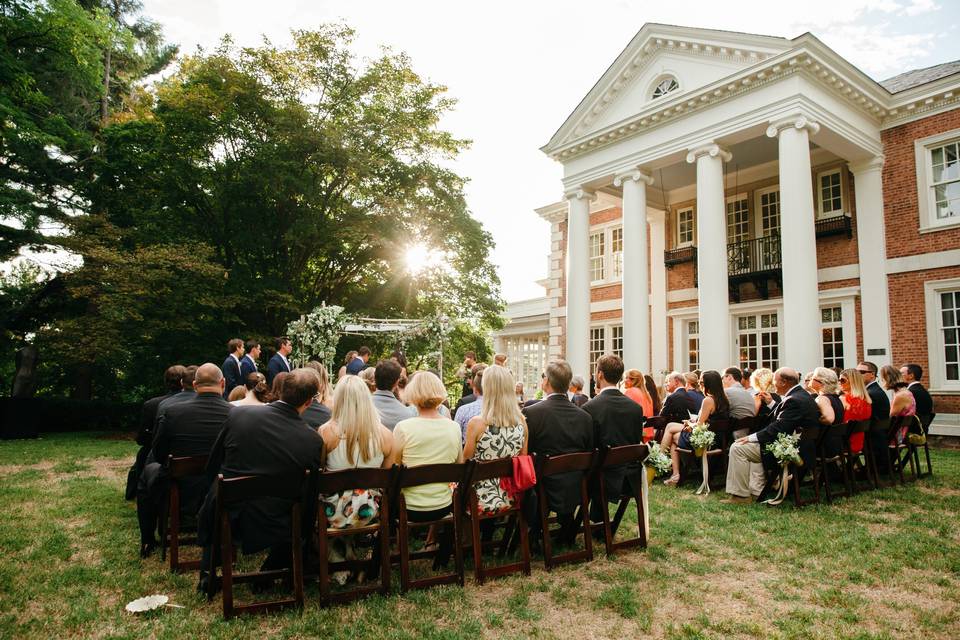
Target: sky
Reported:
point(518, 69)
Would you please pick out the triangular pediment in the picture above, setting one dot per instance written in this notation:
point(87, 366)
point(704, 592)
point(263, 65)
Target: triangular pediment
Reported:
point(693, 57)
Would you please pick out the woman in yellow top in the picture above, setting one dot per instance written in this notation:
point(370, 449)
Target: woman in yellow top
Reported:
point(429, 438)
point(635, 388)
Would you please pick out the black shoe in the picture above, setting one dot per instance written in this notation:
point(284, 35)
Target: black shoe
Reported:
point(203, 586)
point(147, 548)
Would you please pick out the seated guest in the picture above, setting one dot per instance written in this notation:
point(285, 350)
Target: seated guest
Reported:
point(359, 362)
point(387, 379)
point(635, 389)
point(428, 438)
point(518, 389)
point(653, 392)
point(231, 366)
point(715, 406)
point(248, 363)
point(187, 393)
point(678, 405)
point(578, 397)
point(347, 359)
point(824, 381)
point(617, 421)
point(880, 413)
point(692, 387)
point(325, 395)
point(912, 373)
point(903, 403)
point(148, 418)
point(255, 390)
point(238, 393)
point(557, 426)
point(499, 431)
point(189, 429)
point(856, 403)
point(806, 383)
point(742, 404)
point(761, 382)
point(796, 411)
point(353, 439)
point(467, 412)
point(276, 390)
point(368, 375)
point(266, 440)
point(317, 413)
point(279, 363)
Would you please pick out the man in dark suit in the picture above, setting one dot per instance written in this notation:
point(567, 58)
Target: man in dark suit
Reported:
point(617, 421)
point(148, 417)
point(187, 393)
point(248, 363)
point(231, 366)
point(189, 429)
point(557, 426)
point(578, 397)
point(796, 410)
point(678, 405)
point(359, 362)
point(266, 440)
point(912, 373)
point(879, 413)
point(279, 363)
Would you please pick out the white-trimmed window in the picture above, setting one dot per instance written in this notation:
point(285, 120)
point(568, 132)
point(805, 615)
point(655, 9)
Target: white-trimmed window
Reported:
point(597, 248)
point(758, 340)
point(938, 180)
point(616, 340)
point(950, 333)
point(616, 248)
point(768, 204)
point(943, 333)
point(738, 218)
point(665, 86)
point(831, 325)
point(598, 345)
point(830, 193)
point(685, 227)
point(693, 345)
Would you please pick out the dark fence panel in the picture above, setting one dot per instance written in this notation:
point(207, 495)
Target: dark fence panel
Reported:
point(29, 417)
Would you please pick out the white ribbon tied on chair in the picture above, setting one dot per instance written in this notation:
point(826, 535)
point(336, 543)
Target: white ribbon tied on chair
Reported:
point(784, 482)
point(644, 499)
point(704, 488)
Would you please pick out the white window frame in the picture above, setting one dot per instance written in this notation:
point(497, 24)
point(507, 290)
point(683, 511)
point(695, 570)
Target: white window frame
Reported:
point(609, 257)
point(935, 355)
point(693, 221)
point(758, 209)
point(924, 168)
point(691, 336)
point(843, 196)
point(616, 257)
point(834, 324)
point(614, 339)
point(758, 330)
point(744, 196)
point(608, 341)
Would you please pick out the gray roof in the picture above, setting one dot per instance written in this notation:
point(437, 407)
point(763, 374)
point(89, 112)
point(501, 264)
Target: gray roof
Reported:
point(915, 78)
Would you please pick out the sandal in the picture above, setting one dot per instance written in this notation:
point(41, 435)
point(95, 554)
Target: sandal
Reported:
point(673, 480)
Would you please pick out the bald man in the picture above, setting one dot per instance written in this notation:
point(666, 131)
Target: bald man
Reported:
point(796, 410)
point(189, 429)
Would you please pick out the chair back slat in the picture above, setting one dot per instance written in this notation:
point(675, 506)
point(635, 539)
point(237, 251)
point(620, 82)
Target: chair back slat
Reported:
point(811, 432)
point(489, 469)
point(231, 491)
point(186, 466)
point(330, 482)
point(859, 426)
point(552, 465)
point(615, 456)
point(434, 473)
point(896, 423)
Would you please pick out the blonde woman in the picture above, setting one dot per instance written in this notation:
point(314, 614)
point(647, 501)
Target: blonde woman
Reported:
point(762, 382)
point(857, 404)
point(824, 382)
point(500, 431)
point(634, 387)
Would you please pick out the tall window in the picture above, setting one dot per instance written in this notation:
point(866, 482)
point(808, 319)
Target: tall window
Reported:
point(770, 213)
point(597, 271)
point(759, 340)
point(950, 326)
point(831, 322)
point(738, 220)
point(831, 198)
point(945, 167)
point(664, 87)
point(685, 227)
point(616, 337)
point(616, 247)
point(597, 345)
point(693, 345)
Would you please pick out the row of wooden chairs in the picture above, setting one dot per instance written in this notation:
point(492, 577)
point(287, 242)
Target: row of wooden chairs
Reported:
point(303, 492)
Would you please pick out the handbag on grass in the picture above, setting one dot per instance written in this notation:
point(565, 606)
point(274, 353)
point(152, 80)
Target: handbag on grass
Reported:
point(524, 477)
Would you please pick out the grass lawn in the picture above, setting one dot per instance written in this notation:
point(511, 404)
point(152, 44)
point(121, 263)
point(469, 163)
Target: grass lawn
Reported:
point(881, 565)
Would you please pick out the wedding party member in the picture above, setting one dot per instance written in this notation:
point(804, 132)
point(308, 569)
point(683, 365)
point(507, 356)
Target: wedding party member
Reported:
point(465, 374)
point(269, 440)
point(499, 431)
point(347, 359)
point(428, 438)
point(617, 421)
point(635, 389)
point(317, 413)
point(557, 426)
point(359, 362)
point(231, 366)
point(795, 411)
point(248, 363)
point(148, 418)
point(189, 429)
point(856, 404)
point(577, 396)
point(279, 362)
point(912, 373)
point(678, 405)
point(691, 381)
point(353, 438)
point(386, 377)
point(716, 406)
point(470, 410)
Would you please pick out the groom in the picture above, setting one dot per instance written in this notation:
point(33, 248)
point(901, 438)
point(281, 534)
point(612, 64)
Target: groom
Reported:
point(279, 363)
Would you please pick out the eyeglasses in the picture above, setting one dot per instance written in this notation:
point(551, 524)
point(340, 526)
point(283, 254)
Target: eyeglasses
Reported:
point(864, 371)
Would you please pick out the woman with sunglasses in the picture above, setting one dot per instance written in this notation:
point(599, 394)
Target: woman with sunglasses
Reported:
point(677, 436)
point(856, 403)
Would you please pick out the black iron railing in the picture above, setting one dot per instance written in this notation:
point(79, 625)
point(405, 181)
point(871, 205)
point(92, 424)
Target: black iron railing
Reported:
point(673, 257)
point(757, 256)
point(834, 226)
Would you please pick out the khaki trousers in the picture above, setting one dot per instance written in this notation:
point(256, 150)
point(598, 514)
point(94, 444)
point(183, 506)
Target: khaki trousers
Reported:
point(745, 475)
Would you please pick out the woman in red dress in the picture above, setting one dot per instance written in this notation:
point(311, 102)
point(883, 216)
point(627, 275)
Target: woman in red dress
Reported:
point(856, 403)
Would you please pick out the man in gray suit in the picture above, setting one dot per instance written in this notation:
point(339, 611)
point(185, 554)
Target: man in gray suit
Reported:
point(387, 378)
point(741, 401)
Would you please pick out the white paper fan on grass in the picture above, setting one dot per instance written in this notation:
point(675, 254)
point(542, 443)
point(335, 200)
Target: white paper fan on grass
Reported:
point(147, 603)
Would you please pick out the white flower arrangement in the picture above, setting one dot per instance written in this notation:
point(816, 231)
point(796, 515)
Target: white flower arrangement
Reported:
point(657, 459)
point(701, 437)
point(316, 334)
point(785, 449)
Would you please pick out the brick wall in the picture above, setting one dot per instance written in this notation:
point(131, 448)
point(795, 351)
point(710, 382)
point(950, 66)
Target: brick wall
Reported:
point(900, 205)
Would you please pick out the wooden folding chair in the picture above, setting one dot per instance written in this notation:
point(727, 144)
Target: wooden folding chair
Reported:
point(614, 457)
point(899, 451)
point(458, 474)
point(810, 436)
point(720, 449)
point(335, 482)
point(858, 460)
point(491, 470)
point(877, 431)
point(232, 493)
point(177, 470)
point(658, 424)
point(925, 422)
point(837, 434)
point(547, 466)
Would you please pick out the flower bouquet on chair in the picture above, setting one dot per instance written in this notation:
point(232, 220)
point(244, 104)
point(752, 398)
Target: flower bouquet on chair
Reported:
point(785, 449)
point(657, 462)
point(701, 439)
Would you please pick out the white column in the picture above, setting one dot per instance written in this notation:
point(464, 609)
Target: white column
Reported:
point(872, 248)
point(658, 295)
point(801, 340)
point(578, 281)
point(712, 289)
point(634, 291)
